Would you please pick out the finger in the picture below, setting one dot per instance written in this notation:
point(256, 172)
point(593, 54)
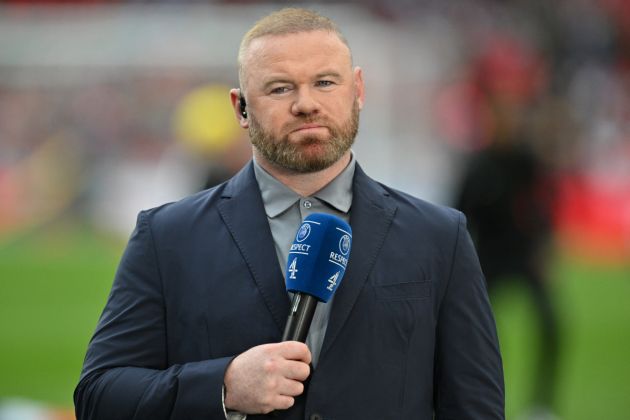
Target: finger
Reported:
point(294, 350)
point(295, 370)
point(282, 402)
point(290, 388)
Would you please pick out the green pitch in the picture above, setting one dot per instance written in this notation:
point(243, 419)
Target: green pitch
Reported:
point(53, 286)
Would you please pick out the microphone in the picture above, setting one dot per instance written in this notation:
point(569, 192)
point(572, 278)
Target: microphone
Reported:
point(317, 262)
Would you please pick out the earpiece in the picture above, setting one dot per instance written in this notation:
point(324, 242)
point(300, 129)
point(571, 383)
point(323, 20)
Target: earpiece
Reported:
point(243, 106)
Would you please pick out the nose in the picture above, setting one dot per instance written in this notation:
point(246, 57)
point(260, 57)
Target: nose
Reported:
point(305, 103)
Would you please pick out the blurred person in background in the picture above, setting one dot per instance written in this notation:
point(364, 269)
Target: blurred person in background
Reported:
point(192, 326)
point(507, 195)
point(204, 126)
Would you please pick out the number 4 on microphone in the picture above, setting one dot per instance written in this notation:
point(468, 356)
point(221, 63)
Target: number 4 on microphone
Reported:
point(333, 281)
point(293, 269)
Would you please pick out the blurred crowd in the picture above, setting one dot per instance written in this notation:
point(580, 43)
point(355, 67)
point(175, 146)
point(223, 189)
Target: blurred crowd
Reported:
point(517, 112)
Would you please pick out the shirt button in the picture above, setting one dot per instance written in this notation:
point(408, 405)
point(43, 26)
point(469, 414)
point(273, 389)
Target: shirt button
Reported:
point(308, 204)
point(316, 417)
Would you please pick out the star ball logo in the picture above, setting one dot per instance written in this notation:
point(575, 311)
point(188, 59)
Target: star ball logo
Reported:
point(344, 244)
point(303, 233)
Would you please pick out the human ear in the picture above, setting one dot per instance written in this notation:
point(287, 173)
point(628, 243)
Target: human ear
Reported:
point(359, 86)
point(239, 106)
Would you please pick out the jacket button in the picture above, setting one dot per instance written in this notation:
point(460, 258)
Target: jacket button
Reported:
point(316, 417)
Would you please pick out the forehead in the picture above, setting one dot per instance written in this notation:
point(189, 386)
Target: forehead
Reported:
point(296, 52)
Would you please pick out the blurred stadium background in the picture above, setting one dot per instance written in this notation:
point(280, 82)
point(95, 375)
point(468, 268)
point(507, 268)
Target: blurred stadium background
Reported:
point(107, 108)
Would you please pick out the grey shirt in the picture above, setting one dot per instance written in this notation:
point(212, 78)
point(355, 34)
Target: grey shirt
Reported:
point(285, 211)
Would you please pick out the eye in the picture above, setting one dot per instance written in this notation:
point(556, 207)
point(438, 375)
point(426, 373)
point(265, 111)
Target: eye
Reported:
point(324, 83)
point(279, 90)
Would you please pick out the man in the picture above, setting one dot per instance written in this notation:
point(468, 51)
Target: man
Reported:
point(192, 327)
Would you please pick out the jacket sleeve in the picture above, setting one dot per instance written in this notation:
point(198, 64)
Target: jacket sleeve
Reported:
point(468, 371)
point(126, 373)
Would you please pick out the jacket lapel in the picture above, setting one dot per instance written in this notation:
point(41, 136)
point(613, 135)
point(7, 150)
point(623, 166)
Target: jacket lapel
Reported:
point(371, 215)
point(243, 213)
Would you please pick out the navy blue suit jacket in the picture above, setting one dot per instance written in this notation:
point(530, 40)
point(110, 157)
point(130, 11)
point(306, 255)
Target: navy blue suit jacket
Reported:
point(411, 334)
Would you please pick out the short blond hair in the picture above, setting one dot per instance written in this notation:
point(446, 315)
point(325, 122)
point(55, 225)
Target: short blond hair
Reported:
point(289, 20)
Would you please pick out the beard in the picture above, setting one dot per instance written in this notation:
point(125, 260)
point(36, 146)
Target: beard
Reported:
point(310, 154)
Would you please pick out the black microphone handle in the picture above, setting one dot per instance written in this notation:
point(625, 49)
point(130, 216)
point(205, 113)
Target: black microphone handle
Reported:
point(299, 321)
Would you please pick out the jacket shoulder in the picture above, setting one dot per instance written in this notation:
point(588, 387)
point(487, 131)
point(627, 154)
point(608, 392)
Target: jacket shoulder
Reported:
point(183, 210)
point(201, 206)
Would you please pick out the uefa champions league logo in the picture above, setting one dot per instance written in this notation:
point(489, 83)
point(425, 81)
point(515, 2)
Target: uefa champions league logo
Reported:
point(344, 244)
point(303, 233)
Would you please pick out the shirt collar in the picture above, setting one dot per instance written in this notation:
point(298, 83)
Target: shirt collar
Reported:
point(277, 197)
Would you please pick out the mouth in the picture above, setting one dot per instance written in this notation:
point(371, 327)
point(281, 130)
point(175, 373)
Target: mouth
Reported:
point(308, 127)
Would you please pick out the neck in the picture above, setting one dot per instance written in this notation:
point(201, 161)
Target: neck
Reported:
point(304, 184)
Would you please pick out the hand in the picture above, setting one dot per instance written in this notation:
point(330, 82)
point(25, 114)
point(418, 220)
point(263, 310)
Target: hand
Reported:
point(267, 377)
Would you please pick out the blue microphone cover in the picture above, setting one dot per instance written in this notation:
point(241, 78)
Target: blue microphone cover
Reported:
point(318, 256)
